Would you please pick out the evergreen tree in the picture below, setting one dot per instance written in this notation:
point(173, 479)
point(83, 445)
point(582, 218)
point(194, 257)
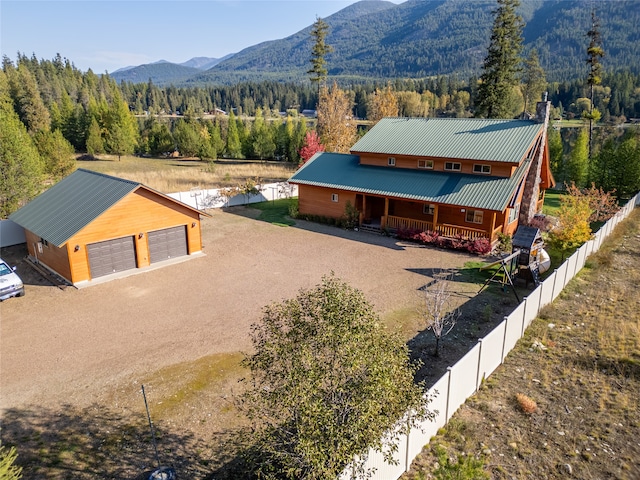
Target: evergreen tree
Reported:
point(617, 165)
point(20, 163)
point(56, 152)
point(233, 146)
point(502, 63)
point(555, 151)
point(261, 138)
point(320, 49)
point(27, 101)
point(533, 82)
point(594, 53)
point(187, 138)
point(95, 142)
point(215, 138)
point(577, 167)
point(297, 140)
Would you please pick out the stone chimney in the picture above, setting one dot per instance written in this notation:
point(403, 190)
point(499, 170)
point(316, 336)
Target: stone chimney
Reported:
point(528, 207)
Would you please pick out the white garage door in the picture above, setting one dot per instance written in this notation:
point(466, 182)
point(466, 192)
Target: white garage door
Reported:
point(167, 243)
point(111, 256)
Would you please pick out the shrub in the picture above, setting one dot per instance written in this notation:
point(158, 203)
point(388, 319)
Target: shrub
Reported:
point(479, 245)
point(293, 209)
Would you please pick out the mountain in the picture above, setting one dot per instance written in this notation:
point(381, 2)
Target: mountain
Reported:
point(379, 40)
point(204, 63)
point(160, 73)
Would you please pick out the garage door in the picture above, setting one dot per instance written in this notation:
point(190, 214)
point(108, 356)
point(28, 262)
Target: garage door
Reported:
point(111, 256)
point(167, 243)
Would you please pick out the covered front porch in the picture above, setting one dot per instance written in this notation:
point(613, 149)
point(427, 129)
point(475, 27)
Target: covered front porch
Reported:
point(382, 213)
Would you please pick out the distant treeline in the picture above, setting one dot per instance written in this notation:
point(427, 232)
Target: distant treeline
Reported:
point(617, 97)
point(91, 110)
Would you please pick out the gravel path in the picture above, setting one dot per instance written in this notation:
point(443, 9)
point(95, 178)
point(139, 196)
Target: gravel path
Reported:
point(74, 346)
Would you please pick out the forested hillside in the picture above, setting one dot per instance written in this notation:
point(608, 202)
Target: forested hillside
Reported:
point(379, 40)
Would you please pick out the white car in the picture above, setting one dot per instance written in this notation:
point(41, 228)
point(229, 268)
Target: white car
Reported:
point(10, 283)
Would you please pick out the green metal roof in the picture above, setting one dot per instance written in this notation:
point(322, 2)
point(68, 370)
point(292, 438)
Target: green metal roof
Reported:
point(458, 138)
point(344, 172)
point(71, 204)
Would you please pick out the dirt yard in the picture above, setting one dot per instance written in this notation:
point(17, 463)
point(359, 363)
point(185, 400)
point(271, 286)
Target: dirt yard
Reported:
point(72, 361)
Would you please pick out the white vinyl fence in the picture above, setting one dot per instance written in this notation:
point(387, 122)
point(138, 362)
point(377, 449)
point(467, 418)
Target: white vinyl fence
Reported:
point(11, 233)
point(203, 199)
point(463, 379)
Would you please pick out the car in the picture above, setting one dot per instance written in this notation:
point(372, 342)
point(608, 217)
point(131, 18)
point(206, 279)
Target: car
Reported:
point(10, 283)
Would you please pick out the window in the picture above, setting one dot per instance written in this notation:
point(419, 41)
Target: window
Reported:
point(334, 197)
point(452, 166)
point(392, 162)
point(513, 213)
point(478, 168)
point(474, 216)
point(44, 242)
point(425, 164)
point(428, 209)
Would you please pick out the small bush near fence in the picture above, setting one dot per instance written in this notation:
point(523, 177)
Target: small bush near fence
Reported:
point(480, 245)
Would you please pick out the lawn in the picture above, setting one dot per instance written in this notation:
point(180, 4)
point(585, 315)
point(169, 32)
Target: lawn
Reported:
point(552, 202)
point(275, 212)
point(579, 366)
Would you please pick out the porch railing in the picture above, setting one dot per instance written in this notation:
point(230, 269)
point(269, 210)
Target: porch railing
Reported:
point(453, 230)
point(408, 223)
point(443, 228)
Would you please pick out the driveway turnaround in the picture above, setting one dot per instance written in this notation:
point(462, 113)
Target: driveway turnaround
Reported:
point(75, 346)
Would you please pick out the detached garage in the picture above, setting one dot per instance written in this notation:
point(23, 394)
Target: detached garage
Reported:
point(91, 225)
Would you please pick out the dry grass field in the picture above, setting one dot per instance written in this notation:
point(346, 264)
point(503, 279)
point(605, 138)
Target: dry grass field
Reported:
point(579, 364)
point(169, 175)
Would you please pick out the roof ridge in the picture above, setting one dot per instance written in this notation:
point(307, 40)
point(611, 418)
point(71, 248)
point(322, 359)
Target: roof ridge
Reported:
point(111, 177)
point(459, 119)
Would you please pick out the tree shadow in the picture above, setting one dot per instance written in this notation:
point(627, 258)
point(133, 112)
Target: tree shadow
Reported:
point(480, 313)
point(97, 442)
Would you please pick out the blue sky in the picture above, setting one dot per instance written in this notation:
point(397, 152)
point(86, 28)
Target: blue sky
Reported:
point(110, 34)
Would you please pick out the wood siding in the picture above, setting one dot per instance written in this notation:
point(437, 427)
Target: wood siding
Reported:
point(57, 259)
point(498, 169)
point(135, 215)
point(317, 201)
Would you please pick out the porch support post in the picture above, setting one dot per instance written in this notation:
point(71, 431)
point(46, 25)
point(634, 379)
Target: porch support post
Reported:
point(435, 217)
point(363, 214)
point(493, 226)
point(383, 220)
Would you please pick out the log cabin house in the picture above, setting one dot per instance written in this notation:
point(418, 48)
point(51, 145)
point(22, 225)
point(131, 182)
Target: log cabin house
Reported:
point(91, 225)
point(458, 176)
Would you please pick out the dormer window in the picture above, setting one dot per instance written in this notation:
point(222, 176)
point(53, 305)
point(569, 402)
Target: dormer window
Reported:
point(391, 162)
point(452, 166)
point(428, 164)
point(481, 168)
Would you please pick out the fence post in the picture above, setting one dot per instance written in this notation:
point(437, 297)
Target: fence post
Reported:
point(524, 316)
point(479, 362)
point(446, 410)
point(406, 450)
point(504, 338)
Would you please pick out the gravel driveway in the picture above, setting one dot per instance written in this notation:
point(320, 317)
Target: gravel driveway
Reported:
point(74, 346)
